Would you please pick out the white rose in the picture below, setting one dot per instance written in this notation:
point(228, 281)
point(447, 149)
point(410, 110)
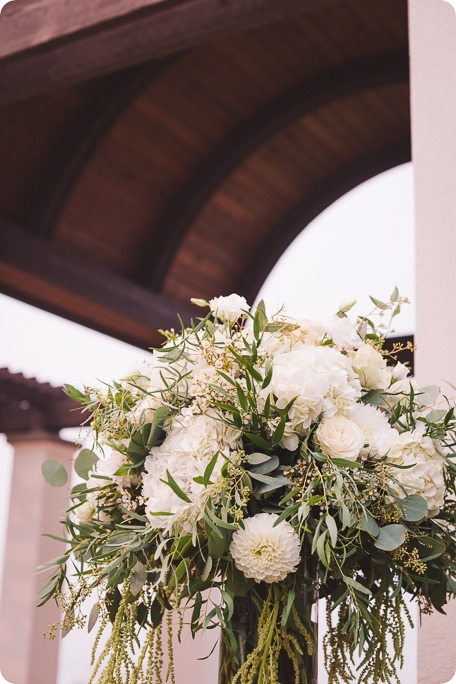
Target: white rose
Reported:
point(343, 333)
point(84, 512)
point(340, 437)
point(144, 411)
point(228, 308)
point(370, 366)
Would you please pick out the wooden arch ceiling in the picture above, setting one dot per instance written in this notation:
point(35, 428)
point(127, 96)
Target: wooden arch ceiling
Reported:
point(123, 196)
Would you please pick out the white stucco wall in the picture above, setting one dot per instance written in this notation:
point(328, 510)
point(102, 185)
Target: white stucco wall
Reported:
point(433, 101)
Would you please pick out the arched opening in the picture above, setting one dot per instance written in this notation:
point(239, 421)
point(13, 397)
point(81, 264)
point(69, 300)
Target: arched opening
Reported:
point(362, 244)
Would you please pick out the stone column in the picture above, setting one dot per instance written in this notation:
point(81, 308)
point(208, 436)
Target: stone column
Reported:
point(35, 507)
point(433, 110)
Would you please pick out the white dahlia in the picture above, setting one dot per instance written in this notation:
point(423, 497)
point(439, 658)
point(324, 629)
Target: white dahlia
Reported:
point(263, 552)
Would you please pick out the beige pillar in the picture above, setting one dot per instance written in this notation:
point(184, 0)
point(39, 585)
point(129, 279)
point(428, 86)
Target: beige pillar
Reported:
point(35, 507)
point(433, 101)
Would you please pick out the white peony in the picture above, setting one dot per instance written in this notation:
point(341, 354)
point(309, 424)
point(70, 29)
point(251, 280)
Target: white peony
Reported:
point(370, 366)
point(379, 436)
point(340, 437)
point(425, 476)
point(228, 308)
point(263, 552)
point(343, 333)
point(191, 443)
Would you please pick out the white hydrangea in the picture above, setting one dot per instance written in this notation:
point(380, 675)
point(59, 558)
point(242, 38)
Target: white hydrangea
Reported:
point(340, 437)
point(291, 335)
point(425, 476)
point(370, 366)
point(191, 443)
point(228, 308)
point(320, 379)
point(379, 436)
point(263, 552)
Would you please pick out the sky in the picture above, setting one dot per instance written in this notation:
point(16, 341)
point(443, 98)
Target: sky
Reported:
point(363, 244)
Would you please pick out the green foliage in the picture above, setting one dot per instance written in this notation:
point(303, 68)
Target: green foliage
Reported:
point(54, 472)
point(365, 541)
point(85, 461)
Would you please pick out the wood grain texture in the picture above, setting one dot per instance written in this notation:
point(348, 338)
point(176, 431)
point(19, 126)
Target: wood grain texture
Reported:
point(44, 47)
point(76, 287)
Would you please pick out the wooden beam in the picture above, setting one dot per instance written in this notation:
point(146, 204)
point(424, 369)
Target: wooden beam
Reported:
point(76, 287)
point(249, 134)
point(75, 150)
point(283, 234)
point(48, 43)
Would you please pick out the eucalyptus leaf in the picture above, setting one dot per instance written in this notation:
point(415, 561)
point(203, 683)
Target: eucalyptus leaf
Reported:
point(413, 507)
point(237, 583)
point(266, 467)
point(138, 578)
point(369, 524)
point(332, 528)
point(428, 395)
point(54, 472)
point(85, 461)
point(216, 545)
point(435, 416)
point(376, 397)
point(356, 585)
point(279, 480)
point(390, 537)
point(256, 458)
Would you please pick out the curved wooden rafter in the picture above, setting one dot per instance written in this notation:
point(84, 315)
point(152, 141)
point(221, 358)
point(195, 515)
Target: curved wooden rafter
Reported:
point(251, 133)
point(283, 233)
point(116, 94)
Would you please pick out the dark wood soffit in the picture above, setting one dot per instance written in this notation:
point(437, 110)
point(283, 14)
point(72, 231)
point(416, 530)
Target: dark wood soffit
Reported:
point(74, 152)
point(141, 31)
point(249, 134)
point(283, 234)
point(56, 279)
point(26, 404)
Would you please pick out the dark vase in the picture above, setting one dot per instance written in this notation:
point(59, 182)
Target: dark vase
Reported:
point(245, 625)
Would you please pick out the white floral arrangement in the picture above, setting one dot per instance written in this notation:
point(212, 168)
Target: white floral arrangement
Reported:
point(264, 460)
